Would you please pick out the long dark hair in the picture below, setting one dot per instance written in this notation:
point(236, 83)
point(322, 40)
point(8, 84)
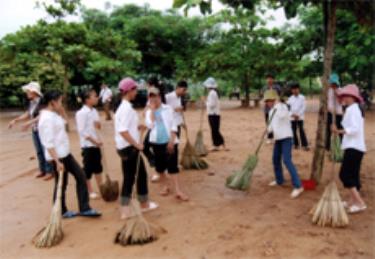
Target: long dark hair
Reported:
point(50, 96)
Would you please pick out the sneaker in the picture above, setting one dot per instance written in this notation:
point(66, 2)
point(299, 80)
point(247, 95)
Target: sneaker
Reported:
point(94, 196)
point(296, 192)
point(356, 208)
point(273, 183)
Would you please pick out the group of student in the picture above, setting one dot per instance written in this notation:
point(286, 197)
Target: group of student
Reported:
point(156, 134)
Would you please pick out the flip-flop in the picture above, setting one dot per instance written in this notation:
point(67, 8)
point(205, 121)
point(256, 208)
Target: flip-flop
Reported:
point(70, 214)
point(151, 206)
point(90, 213)
point(356, 209)
point(182, 197)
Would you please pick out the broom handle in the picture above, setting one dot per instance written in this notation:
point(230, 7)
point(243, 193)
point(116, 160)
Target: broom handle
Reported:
point(201, 119)
point(138, 164)
point(333, 123)
point(265, 132)
point(185, 126)
point(104, 157)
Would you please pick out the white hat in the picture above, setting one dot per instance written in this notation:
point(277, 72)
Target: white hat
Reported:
point(210, 83)
point(32, 87)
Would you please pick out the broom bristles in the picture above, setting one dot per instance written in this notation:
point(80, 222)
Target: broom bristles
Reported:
point(190, 159)
point(109, 189)
point(199, 146)
point(241, 180)
point(330, 211)
point(52, 234)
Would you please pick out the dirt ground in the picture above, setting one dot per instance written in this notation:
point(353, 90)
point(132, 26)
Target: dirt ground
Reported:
point(216, 223)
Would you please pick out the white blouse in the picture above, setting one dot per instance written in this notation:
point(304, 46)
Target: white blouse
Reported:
point(174, 101)
point(213, 103)
point(353, 124)
point(280, 124)
point(52, 133)
point(86, 118)
point(297, 106)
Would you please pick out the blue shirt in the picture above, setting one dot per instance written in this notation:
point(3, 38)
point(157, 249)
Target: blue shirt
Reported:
point(161, 131)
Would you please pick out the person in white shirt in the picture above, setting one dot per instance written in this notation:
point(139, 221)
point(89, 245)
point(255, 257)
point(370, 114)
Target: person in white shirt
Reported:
point(129, 145)
point(353, 144)
point(213, 112)
point(174, 99)
point(105, 96)
point(297, 106)
point(53, 135)
point(333, 106)
point(164, 141)
point(279, 124)
point(88, 121)
point(34, 95)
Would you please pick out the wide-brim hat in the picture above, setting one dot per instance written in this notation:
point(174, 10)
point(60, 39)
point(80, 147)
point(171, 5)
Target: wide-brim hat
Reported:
point(210, 83)
point(270, 95)
point(32, 87)
point(350, 90)
point(127, 84)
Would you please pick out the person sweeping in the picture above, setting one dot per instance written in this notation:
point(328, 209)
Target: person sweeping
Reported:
point(88, 121)
point(282, 132)
point(353, 144)
point(164, 141)
point(129, 145)
point(55, 140)
point(213, 112)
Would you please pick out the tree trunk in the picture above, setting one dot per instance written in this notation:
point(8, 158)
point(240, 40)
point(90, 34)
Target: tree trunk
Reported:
point(246, 101)
point(318, 159)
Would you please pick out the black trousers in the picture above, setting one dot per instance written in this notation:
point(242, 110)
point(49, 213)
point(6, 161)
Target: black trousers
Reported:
point(164, 160)
point(266, 117)
point(71, 166)
point(350, 168)
point(217, 138)
point(328, 128)
point(147, 150)
point(298, 125)
point(129, 158)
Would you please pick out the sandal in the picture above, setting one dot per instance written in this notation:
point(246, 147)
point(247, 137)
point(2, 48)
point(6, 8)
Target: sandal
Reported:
point(70, 214)
point(182, 197)
point(165, 191)
point(356, 209)
point(151, 206)
point(90, 213)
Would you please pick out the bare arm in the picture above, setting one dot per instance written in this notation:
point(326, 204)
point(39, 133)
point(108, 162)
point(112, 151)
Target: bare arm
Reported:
point(22, 117)
point(126, 135)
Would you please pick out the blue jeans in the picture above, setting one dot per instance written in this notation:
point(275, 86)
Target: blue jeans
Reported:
point(44, 166)
point(283, 149)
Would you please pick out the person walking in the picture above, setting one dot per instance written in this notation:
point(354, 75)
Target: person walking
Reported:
point(105, 96)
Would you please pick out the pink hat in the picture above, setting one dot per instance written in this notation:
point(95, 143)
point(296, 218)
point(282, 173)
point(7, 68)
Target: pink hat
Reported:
point(127, 84)
point(350, 90)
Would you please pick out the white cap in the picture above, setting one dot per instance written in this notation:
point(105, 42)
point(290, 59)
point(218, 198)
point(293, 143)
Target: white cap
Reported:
point(32, 87)
point(210, 83)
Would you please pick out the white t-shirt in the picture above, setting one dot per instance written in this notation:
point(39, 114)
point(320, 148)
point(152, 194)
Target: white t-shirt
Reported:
point(86, 118)
point(105, 95)
point(213, 103)
point(126, 119)
point(332, 99)
point(353, 124)
point(174, 101)
point(168, 120)
point(280, 124)
point(297, 106)
point(53, 134)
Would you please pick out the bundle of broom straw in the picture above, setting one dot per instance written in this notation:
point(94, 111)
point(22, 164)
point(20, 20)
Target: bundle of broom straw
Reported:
point(336, 153)
point(241, 180)
point(52, 234)
point(330, 211)
point(136, 229)
point(199, 146)
point(190, 159)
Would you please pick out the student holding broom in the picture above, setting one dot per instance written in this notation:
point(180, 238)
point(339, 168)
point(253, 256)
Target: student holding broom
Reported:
point(164, 141)
point(353, 144)
point(213, 111)
point(53, 135)
point(297, 106)
point(88, 121)
point(282, 131)
point(129, 145)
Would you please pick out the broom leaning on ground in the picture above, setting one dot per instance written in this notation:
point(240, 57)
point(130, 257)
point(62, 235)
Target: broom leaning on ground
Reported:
point(52, 234)
point(199, 146)
point(240, 180)
point(190, 159)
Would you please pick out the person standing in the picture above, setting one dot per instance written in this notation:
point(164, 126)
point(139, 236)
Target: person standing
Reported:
point(281, 128)
point(88, 121)
point(164, 141)
point(105, 96)
point(270, 85)
point(353, 144)
point(129, 145)
point(333, 105)
point(34, 96)
point(174, 99)
point(54, 138)
point(213, 112)
point(297, 109)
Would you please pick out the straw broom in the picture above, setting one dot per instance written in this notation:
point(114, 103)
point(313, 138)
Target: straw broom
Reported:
point(241, 180)
point(330, 211)
point(52, 234)
point(136, 229)
point(199, 146)
point(190, 159)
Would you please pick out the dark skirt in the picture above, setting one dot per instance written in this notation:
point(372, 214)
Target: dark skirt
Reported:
point(350, 168)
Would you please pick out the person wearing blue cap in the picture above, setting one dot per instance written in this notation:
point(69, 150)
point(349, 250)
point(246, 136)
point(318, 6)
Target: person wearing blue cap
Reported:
point(334, 106)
